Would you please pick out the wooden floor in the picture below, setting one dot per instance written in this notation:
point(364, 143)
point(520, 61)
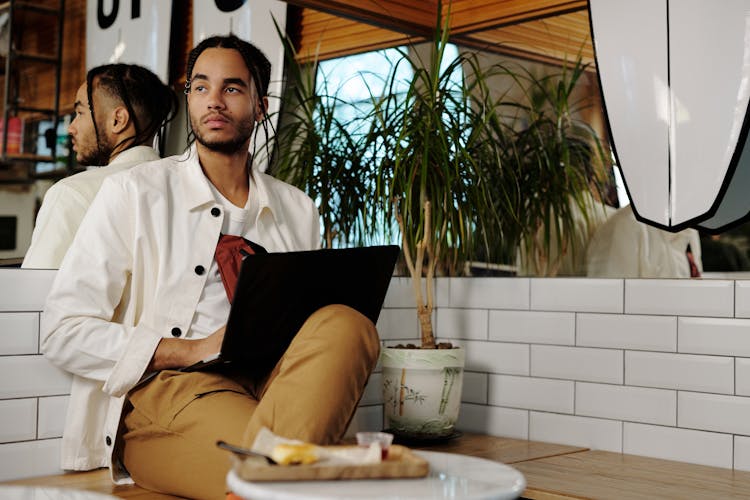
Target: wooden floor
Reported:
point(552, 471)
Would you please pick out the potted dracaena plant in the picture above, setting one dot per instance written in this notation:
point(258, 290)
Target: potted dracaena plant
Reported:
point(434, 162)
point(400, 171)
point(430, 184)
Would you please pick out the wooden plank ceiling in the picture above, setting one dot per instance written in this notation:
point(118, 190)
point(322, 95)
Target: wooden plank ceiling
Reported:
point(541, 30)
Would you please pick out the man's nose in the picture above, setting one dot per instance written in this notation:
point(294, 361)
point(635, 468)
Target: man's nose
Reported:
point(216, 99)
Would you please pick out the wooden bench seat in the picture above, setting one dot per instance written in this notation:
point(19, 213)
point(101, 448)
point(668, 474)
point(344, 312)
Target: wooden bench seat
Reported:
point(96, 481)
point(606, 475)
point(552, 471)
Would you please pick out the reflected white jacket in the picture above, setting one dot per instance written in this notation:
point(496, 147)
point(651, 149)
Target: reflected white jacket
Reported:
point(623, 247)
point(65, 204)
point(129, 279)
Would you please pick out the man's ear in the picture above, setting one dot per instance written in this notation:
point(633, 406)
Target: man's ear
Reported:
point(119, 120)
point(262, 109)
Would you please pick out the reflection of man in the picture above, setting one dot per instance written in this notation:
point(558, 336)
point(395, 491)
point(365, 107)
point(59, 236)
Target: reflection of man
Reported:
point(141, 291)
point(118, 111)
point(622, 247)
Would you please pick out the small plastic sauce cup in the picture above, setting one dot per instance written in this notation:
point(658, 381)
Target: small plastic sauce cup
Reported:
point(384, 438)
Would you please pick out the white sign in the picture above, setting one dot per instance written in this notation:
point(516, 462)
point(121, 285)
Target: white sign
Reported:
point(251, 20)
point(129, 31)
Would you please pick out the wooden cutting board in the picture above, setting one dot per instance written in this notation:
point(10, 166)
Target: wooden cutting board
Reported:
point(401, 462)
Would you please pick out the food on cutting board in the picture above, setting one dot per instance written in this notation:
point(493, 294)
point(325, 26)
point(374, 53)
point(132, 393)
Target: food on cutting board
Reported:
point(294, 454)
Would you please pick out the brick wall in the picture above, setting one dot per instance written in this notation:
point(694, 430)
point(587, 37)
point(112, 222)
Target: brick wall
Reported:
point(651, 367)
point(33, 393)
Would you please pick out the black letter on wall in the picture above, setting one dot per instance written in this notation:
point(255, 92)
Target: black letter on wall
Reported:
point(229, 5)
point(106, 20)
point(135, 9)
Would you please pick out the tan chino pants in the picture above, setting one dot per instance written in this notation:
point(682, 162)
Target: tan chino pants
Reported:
point(312, 393)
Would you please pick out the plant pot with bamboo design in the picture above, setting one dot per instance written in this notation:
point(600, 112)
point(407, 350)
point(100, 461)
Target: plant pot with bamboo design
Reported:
point(431, 188)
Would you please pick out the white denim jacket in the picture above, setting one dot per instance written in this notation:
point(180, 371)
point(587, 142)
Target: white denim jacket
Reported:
point(65, 205)
point(129, 279)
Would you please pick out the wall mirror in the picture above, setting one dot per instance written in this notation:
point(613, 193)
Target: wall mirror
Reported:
point(534, 36)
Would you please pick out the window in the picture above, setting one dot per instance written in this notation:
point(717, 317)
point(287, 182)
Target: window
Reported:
point(347, 86)
point(351, 80)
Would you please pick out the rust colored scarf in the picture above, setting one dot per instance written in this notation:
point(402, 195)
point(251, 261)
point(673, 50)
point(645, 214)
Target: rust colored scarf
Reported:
point(230, 251)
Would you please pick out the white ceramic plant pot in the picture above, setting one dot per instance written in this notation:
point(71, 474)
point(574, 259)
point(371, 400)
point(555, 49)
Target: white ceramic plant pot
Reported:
point(422, 390)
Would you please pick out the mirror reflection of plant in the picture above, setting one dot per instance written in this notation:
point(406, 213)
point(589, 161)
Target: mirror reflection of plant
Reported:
point(557, 161)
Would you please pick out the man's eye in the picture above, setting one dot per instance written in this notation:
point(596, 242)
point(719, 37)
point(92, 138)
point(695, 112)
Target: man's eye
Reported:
point(199, 88)
point(232, 90)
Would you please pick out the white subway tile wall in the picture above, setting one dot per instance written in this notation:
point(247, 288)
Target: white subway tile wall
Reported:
point(373, 394)
point(52, 411)
point(595, 433)
point(29, 376)
point(496, 357)
point(621, 402)
point(29, 459)
point(20, 333)
point(651, 367)
point(18, 419)
point(533, 327)
point(714, 412)
point(723, 337)
point(673, 443)
point(680, 371)
point(494, 420)
point(577, 294)
point(398, 324)
point(742, 376)
point(24, 289)
point(742, 453)
point(680, 297)
point(627, 331)
point(489, 293)
point(531, 393)
point(577, 363)
point(742, 299)
point(468, 324)
point(475, 387)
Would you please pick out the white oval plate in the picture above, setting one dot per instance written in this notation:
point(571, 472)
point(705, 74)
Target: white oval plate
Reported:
point(458, 477)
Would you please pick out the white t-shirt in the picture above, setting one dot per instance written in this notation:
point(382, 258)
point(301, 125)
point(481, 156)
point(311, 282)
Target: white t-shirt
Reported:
point(213, 306)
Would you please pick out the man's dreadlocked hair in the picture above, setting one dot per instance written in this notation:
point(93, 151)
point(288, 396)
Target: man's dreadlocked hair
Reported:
point(150, 103)
point(257, 64)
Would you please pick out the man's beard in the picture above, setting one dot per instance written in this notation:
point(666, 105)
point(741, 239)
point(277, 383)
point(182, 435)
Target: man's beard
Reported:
point(97, 157)
point(231, 145)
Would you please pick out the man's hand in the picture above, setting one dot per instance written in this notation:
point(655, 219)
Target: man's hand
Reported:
point(179, 353)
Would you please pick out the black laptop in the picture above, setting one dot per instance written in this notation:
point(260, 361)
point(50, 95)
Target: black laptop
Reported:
point(277, 292)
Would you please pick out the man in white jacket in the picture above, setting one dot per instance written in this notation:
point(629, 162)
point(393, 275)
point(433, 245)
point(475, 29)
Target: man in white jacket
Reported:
point(140, 292)
point(119, 110)
point(624, 247)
